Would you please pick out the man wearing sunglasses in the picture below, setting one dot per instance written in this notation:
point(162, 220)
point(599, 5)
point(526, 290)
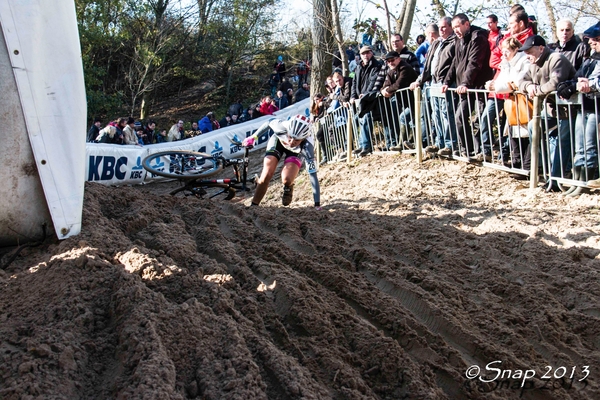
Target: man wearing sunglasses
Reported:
point(399, 76)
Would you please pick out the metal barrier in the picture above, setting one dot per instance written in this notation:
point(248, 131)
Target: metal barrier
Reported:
point(569, 140)
point(510, 133)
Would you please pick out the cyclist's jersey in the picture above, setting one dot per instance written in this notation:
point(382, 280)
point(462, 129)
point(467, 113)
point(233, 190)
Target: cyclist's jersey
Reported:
point(278, 146)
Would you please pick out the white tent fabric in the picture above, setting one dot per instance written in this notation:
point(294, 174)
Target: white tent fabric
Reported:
point(43, 47)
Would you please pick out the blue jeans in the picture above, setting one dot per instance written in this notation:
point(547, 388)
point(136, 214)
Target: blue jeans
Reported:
point(366, 125)
point(389, 120)
point(488, 118)
point(444, 123)
point(559, 143)
point(586, 152)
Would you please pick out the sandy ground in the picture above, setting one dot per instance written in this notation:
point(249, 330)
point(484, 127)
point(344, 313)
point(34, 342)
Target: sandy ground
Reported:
point(408, 277)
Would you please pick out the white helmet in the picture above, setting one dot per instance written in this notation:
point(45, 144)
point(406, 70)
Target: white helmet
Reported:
point(298, 127)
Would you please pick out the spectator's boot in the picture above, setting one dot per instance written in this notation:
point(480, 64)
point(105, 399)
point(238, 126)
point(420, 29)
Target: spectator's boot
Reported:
point(595, 183)
point(576, 175)
point(580, 189)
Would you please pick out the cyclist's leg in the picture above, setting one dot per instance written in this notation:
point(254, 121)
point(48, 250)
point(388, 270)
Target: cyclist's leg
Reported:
point(269, 165)
point(290, 170)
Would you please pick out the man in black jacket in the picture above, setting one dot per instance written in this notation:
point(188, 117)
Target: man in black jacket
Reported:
point(400, 75)
point(470, 69)
point(362, 84)
point(438, 63)
point(94, 131)
point(569, 44)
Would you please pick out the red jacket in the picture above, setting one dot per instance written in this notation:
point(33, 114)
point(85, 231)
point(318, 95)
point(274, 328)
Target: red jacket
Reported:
point(497, 54)
point(268, 108)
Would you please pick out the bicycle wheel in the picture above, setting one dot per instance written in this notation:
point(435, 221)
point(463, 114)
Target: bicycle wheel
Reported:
point(181, 164)
point(207, 190)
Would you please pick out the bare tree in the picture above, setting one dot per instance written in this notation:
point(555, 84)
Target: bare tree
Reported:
point(322, 40)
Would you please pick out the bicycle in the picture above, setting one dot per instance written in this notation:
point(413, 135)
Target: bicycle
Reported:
point(192, 168)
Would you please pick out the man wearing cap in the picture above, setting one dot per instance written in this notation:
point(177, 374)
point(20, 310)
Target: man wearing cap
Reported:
point(129, 136)
point(470, 70)
point(547, 70)
point(362, 84)
point(399, 76)
point(569, 44)
point(586, 81)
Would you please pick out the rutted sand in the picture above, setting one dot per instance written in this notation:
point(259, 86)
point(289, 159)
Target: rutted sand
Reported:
point(408, 276)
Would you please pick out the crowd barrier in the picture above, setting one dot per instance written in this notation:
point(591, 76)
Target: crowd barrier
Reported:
point(112, 164)
point(547, 137)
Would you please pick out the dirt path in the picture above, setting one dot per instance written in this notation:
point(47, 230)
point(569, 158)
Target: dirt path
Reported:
point(408, 276)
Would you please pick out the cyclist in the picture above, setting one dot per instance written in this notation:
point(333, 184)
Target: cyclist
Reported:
point(294, 142)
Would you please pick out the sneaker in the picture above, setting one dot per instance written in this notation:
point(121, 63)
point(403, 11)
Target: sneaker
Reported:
point(364, 153)
point(446, 151)
point(357, 151)
point(408, 145)
point(432, 149)
point(288, 193)
point(482, 157)
point(396, 148)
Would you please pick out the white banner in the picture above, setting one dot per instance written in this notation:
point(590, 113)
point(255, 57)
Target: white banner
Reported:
point(112, 164)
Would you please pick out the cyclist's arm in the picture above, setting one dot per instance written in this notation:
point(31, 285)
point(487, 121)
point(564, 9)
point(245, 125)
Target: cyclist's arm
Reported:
point(311, 167)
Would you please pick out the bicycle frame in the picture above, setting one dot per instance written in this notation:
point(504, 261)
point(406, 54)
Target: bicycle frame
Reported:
point(239, 182)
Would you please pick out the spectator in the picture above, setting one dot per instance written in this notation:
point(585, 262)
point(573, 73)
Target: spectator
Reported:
point(353, 65)
point(290, 95)
point(336, 61)
point(281, 101)
point(317, 112)
point(216, 125)
point(94, 130)
point(362, 84)
point(470, 69)
point(495, 101)
point(139, 132)
point(547, 70)
point(236, 108)
point(405, 54)
point(342, 89)
point(437, 65)
point(205, 124)
point(274, 82)
point(162, 136)
point(195, 131)
point(570, 44)
point(107, 134)
point(150, 133)
point(350, 54)
point(267, 107)
point(279, 67)
point(519, 28)
point(225, 121)
point(286, 85)
point(302, 93)
point(257, 112)
point(302, 72)
point(129, 136)
point(513, 68)
point(421, 52)
point(400, 75)
point(586, 81)
point(119, 136)
point(176, 132)
point(234, 119)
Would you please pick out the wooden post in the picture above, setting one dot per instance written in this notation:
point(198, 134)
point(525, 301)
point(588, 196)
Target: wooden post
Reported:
point(417, 123)
point(349, 141)
point(535, 142)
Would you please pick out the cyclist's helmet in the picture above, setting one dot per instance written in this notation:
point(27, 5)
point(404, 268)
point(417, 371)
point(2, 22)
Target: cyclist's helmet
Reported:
point(298, 127)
